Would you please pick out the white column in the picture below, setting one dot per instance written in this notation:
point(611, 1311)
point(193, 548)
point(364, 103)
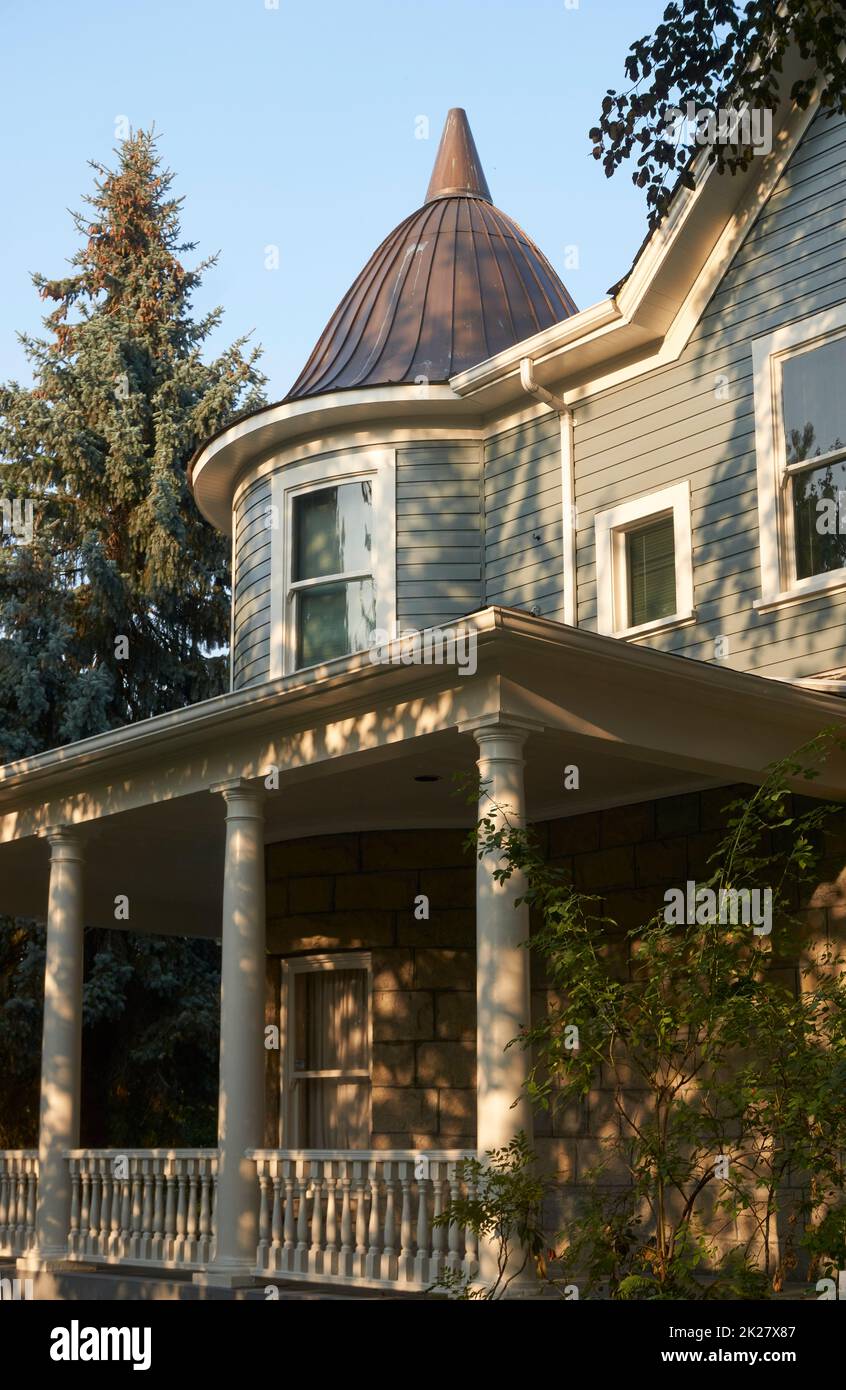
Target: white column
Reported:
point(502, 965)
point(241, 1093)
point(61, 1048)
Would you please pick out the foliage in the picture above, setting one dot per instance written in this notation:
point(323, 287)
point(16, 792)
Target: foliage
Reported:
point(727, 1162)
point(116, 608)
point(502, 1207)
point(149, 1045)
point(98, 447)
point(715, 54)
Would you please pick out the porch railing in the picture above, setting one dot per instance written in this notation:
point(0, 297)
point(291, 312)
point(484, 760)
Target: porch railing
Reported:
point(18, 1192)
point(339, 1217)
point(360, 1218)
point(143, 1206)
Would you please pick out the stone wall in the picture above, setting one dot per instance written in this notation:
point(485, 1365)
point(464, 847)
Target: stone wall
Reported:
point(357, 892)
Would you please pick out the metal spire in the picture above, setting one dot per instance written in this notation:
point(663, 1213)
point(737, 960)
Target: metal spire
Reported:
point(458, 170)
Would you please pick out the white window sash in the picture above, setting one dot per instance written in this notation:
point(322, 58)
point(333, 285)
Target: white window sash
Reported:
point(775, 511)
point(611, 528)
point(289, 1135)
point(379, 467)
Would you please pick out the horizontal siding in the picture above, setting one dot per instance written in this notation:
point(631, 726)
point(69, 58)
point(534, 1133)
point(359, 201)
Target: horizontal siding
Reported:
point(251, 587)
point(672, 424)
point(523, 524)
point(439, 537)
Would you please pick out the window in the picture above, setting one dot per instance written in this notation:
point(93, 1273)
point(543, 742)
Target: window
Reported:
point(800, 430)
point(331, 577)
point(651, 570)
point(332, 557)
point(326, 1008)
point(644, 569)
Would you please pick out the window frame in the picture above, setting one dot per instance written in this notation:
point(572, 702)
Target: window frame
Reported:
point(289, 1123)
point(776, 537)
point(378, 466)
point(611, 528)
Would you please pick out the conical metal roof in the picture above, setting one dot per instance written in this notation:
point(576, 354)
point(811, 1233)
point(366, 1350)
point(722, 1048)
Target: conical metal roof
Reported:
point(458, 281)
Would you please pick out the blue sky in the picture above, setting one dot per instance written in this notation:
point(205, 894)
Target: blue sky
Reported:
point(296, 127)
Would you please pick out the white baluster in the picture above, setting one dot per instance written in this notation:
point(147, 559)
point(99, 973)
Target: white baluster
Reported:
point(423, 1257)
point(454, 1253)
point(315, 1254)
point(290, 1224)
point(389, 1250)
point(346, 1256)
point(276, 1217)
point(330, 1260)
point(264, 1215)
point(146, 1246)
point(360, 1261)
point(405, 1271)
point(373, 1264)
point(438, 1232)
point(301, 1254)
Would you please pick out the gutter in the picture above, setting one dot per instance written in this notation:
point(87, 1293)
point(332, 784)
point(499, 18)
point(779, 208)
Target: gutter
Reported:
point(569, 514)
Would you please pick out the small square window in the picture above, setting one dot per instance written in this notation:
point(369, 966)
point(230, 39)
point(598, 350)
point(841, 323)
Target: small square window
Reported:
point(644, 564)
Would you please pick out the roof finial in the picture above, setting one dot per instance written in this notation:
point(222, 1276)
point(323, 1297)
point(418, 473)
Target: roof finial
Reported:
point(458, 169)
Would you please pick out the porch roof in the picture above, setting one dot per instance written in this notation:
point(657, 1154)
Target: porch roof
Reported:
point(351, 738)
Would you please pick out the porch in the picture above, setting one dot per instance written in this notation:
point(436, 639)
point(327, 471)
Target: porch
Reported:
point(358, 1219)
point(177, 816)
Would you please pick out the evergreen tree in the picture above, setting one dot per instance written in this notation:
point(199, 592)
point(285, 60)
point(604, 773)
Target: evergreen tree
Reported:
point(117, 605)
point(98, 448)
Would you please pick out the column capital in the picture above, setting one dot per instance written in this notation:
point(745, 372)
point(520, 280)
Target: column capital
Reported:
point(243, 798)
point(66, 844)
point(489, 728)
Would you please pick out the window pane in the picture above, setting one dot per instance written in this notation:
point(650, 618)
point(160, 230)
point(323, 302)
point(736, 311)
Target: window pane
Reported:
point(331, 1016)
point(334, 620)
point(331, 1024)
point(334, 1115)
point(651, 561)
point(332, 531)
point(819, 546)
point(815, 401)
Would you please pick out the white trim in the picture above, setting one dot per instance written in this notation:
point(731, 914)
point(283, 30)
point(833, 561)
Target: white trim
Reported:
point(569, 520)
point(779, 584)
point(379, 465)
point(584, 348)
point(289, 1136)
point(610, 528)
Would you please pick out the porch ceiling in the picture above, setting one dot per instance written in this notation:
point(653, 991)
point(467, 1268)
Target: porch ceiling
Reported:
point(351, 740)
point(167, 857)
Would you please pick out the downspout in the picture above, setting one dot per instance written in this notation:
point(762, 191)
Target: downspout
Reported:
point(568, 483)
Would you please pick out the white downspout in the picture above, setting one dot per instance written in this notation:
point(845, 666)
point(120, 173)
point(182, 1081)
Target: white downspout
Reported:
point(568, 483)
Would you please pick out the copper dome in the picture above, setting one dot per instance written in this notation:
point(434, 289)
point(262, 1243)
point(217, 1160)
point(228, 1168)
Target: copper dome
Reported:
point(455, 283)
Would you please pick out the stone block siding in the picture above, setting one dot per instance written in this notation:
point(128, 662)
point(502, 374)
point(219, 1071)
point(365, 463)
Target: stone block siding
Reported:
point(357, 892)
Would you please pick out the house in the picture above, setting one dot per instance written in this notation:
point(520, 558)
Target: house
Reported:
point(578, 549)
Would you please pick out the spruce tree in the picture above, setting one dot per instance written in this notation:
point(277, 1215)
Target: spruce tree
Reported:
point(116, 606)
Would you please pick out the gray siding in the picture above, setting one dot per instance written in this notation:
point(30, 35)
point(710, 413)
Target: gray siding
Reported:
point(439, 540)
point(251, 587)
point(523, 532)
point(670, 425)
